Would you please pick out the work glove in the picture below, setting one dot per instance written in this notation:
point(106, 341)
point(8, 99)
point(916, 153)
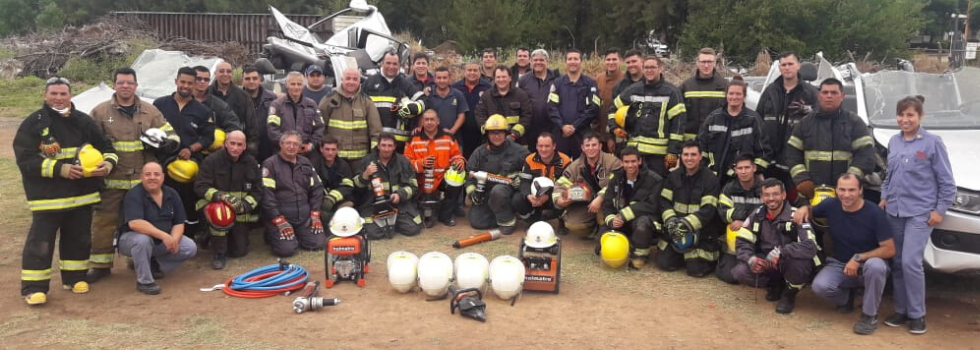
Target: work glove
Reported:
point(50, 148)
point(328, 203)
point(168, 147)
point(237, 204)
point(219, 196)
point(410, 109)
point(620, 133)
point(316, 225)
point(286, 232)
point(429, 162)
point(757, 265)
point(670, 161)
point(805, 188)
point(773, 257)
point(459, 163)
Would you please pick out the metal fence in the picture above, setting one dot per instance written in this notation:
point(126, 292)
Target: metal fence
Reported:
point(249, 29)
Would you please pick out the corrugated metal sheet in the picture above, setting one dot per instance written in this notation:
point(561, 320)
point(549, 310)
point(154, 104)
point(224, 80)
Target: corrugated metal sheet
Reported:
point(249, 29)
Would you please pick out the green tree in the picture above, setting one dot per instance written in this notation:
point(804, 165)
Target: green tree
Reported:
point(17, 16)
point(487, 23)
point(51, 17)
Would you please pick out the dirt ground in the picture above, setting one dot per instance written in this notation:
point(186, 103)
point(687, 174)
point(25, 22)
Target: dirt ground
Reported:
point(597, 307)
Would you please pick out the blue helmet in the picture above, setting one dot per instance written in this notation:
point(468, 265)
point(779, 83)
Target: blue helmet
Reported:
point(683, 237)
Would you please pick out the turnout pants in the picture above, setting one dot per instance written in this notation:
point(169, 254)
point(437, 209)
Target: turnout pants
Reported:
point(405, 225)
point(655, 162)
point(522, 206)
point(726, 267)
point(911, 237)
point(833, 285)
point(496, 211)
point(640, 232)
point(232, 243)
point(75, 225)
point(105, 222)
point(142, 248)
point(304, 239)
point(579, 221)
point(796, 272)
point(189, 199)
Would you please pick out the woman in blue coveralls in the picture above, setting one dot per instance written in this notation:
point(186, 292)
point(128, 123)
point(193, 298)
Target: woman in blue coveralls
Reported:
point(918, 190)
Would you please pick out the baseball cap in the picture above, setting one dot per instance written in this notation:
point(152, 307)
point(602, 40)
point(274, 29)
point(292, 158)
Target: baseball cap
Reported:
point(314, 68)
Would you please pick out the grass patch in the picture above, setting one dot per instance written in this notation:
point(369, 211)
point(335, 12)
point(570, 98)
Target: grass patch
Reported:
point(14, 216)
point(21, 96)
point(6, 53)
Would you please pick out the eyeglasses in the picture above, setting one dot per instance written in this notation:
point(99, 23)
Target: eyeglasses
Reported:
point(202, 79)
point(57, 81)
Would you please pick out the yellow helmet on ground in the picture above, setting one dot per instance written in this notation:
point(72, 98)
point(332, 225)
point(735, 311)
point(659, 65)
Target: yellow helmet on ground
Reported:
point(620, 116)
point(496, 122)
point(219, 140)
point(88, 158)
point(614, 249)
point(182, 171)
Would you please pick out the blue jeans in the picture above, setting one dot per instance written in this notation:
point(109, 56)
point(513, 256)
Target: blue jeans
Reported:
point(833, 285)
point(911, 237)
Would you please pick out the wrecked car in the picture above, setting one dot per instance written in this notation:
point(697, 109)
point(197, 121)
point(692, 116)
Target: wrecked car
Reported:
point(361, 45)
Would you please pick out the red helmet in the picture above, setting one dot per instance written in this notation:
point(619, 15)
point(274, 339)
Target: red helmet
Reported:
point(219, 215)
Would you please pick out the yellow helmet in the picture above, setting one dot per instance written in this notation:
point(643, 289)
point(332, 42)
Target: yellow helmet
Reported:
point(730, 238)
point(620, 116)
point(820, 194)
point(496, 122)
point(182, 171)
point(455, 177)
point(614, 249)
point(219, 141)
point(88, 158)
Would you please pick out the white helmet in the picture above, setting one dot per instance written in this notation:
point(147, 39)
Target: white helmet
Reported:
point(402, 271)
point(153, 137)
point(346, 222)
point(506, 276)
point(472, 270)
point(435, 274)
point(540, 235)
point(541, 185)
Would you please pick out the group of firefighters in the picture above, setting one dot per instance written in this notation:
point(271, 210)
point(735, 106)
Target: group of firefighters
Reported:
point(688, 173)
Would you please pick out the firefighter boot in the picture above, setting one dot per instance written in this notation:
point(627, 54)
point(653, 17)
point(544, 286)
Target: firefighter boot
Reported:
point(788, 301)
point(775, 289)
point(219, 244)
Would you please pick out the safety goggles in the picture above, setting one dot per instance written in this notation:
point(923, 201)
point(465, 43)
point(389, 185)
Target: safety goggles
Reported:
point(58, 81)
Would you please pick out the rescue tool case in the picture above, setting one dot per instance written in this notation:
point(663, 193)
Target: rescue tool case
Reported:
point(542, 267)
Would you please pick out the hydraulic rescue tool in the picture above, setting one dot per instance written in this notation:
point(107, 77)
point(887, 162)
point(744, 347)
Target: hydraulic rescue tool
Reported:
point(385, 213)
point(430, 197)
point(482, 178)
point(470, 303)
point(480, 238)
point(310, 301)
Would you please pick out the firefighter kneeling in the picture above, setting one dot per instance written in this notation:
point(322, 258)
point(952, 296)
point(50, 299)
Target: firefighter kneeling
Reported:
point(493, 171)
point(388, 204)
point(435, 155)
point(231, 177)
point(630, 202)
point(774, 252)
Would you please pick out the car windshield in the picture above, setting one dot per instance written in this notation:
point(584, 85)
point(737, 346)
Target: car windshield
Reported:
point(952, 99)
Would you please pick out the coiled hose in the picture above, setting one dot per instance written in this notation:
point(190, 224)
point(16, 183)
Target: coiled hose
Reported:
point(267, 281)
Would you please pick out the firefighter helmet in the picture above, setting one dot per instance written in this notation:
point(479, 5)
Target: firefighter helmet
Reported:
point(683, 237)
point(821, 193)
point(346, 222)
point(182, 170)
point(614, 249)
point(455, 177)
point(219, 141)
point(506, 276)
point(219, 215)
point(540, 235)
point(88, 158)
point(153, 137)
point(472, 270)
point(435, 274)
point(620, 116)
point(496, 122)
point(402, 271)
point(542, 186)
point(730, 236)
